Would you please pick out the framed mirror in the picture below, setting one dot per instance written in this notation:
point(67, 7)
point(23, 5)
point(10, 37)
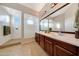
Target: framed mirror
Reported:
point(63, 20)
point(44, 24)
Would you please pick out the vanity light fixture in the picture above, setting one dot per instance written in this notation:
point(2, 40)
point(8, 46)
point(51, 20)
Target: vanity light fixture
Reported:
point(43, 13)
point(53, 4)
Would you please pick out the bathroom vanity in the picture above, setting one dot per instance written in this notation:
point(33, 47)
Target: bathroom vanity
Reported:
point(60, 20)
point(57, 45)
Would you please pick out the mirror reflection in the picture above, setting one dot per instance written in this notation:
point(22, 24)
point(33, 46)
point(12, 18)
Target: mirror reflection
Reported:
point(62, 20)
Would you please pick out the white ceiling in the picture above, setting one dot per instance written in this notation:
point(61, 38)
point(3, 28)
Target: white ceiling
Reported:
point(35, 6)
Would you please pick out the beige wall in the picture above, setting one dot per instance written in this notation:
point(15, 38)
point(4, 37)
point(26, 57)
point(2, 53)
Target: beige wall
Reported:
point(70, 17)
point(3, 38)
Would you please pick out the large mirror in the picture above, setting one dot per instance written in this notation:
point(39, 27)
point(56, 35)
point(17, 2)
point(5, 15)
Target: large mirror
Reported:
point(44, 24)
point(57, 23)
point(62, 20)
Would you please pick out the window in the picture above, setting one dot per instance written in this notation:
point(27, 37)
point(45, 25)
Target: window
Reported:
point(16, 21)
point(30, 22)
point(4, 18)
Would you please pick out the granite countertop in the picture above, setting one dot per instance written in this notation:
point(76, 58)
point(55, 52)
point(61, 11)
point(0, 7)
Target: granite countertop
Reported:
point(65, 37)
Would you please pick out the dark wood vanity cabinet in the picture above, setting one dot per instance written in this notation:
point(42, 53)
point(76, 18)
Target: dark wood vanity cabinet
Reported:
point(66, 49)
point(49, 46)
point(59, 51)
point(42, 41)
point(37, 39)
point(55, 47)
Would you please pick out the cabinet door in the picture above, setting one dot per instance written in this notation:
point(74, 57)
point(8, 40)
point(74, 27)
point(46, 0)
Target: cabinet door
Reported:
point(42, 40)
point(59, 51)
point(37, 38)
point(77, 51)
point(48, 47)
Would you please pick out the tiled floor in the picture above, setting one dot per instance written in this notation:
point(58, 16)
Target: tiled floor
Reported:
point(24, 49)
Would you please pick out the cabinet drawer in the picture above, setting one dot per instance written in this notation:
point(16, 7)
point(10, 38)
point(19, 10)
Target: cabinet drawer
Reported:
point(59, 51)
point(67, 46)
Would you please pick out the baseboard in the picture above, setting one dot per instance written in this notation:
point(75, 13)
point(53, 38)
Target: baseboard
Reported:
point(30, 38)
point(24, 38)
point(5, 46)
